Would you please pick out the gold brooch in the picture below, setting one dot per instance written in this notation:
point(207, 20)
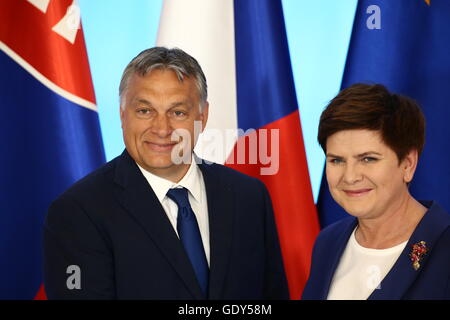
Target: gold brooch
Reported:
point(419, 250)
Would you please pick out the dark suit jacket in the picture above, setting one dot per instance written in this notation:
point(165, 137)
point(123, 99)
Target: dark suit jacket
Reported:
point(113, 227)
point(430, 281)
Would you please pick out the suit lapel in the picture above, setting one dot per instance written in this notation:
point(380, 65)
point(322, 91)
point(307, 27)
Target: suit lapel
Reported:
point(398, 279)
point(140, 201)
point(220, 200)
point(334, 256)
point(402, 275)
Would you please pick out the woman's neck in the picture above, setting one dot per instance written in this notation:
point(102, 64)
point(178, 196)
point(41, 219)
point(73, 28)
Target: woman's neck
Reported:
point(393, 227)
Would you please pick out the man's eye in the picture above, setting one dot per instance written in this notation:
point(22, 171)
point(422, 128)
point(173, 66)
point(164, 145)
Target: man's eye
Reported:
point(143, 111)
point(179, 113)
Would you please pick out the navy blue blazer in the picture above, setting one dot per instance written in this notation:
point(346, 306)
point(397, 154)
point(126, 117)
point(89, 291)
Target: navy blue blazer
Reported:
point(430, 281)
point(111, 225)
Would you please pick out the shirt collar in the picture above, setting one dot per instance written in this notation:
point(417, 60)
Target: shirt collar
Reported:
point(190, 181)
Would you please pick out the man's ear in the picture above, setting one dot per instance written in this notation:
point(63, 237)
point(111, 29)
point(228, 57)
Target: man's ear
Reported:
point(204, 115)
point(122, 113)
point(409, 165)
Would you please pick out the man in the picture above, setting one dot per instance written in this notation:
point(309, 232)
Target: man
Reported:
point(149, 226)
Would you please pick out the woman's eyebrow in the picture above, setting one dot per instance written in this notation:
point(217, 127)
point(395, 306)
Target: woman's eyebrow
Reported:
point(357, 156)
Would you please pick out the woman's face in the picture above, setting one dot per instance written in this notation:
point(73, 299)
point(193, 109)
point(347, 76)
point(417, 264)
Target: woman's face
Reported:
point(364, 175)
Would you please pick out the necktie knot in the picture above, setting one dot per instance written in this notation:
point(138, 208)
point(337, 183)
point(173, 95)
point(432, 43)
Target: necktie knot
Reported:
point(179, 196)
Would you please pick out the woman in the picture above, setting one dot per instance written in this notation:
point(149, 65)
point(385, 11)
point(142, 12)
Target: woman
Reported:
point(393, 246)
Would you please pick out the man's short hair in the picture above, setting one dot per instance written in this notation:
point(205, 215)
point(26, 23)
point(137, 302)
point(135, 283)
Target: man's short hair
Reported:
point(173, 59)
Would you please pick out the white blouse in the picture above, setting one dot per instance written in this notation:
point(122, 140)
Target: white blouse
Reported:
point(361, 270)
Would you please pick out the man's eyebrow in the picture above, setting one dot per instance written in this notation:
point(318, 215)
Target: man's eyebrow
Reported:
point(180, 103)
point(142, 101)
point(177, 104)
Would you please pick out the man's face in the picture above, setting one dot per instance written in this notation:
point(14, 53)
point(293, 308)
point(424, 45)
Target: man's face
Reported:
point(153, 107)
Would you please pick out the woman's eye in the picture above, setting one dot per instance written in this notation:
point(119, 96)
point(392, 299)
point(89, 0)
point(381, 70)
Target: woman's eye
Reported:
point(335, 161)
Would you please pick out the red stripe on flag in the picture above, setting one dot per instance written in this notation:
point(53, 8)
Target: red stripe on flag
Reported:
point(41, 294)
point(291, 193)
point(28, 32)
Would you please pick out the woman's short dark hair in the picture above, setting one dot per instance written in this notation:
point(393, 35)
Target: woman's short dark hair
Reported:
point(397, 118)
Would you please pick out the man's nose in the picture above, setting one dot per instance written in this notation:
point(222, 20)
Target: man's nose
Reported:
point(161, 126)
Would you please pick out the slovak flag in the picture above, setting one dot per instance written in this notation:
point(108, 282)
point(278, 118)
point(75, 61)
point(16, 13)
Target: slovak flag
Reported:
point(49, 129)
point(254, 123)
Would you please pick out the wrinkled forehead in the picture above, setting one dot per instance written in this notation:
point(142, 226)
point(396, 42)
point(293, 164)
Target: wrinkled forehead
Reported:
point(162, 79)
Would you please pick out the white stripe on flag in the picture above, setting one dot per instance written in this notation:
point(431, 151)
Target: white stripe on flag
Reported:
point(46, 82)
point(205, 30)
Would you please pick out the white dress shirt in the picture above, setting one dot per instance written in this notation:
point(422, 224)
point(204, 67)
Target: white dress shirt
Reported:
point(193, 182)
point(361, 270)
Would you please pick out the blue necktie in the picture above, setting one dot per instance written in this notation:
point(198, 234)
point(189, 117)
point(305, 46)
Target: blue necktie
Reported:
point(189, 234)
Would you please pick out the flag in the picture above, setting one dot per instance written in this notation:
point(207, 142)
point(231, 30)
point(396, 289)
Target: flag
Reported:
point(253, 115)
point(49, 129)
point(404, 44)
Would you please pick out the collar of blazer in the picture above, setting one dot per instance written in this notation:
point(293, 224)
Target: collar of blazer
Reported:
point(139, 200)
point(402, 274)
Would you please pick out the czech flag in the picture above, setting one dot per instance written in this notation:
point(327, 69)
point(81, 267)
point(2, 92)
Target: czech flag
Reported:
point(254, 123)
point(404, 44)
point(49, 129)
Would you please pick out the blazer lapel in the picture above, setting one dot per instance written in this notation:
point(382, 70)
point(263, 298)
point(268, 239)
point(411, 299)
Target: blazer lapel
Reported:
point(334, 256)
point(140, 201)
point(220, 200)
point(402, 275)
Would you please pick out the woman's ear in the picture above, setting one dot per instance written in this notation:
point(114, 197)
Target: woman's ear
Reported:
point(409, 165)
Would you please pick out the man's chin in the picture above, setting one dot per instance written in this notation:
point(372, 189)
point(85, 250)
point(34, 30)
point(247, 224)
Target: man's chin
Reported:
point(158, 165)
point(163, 164)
